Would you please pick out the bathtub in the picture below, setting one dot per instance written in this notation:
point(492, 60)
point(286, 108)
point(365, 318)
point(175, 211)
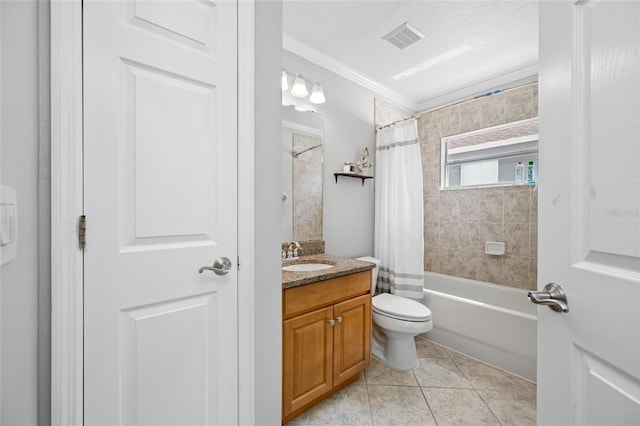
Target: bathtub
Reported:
point(492, 323)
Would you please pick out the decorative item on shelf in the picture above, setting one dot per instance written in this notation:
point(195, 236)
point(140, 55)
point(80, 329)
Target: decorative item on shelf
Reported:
point(348, 167)
point(299, 88)
point(365, 163)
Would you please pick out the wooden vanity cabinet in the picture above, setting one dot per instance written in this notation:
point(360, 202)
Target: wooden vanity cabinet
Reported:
point(326, 339)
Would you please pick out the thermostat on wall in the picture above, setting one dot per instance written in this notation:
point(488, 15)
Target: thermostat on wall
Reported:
point(8, 224)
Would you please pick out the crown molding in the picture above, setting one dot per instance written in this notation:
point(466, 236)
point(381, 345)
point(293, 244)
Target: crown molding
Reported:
point(519, 77)
point(330, 63)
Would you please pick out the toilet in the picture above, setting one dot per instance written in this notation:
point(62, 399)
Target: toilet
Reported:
point(396, 321)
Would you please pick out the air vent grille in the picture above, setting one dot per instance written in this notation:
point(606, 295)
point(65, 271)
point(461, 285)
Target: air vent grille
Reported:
point(403, 36)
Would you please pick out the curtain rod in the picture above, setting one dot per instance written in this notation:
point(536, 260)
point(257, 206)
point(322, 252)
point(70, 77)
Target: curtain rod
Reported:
point(395, 122)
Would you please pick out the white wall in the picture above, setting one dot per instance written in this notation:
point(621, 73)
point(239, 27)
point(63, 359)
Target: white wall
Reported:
point(19, 154)
point(348, 128)
point(268, 276)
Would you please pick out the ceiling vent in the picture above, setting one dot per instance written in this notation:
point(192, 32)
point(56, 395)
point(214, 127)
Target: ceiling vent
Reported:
point(403, 36)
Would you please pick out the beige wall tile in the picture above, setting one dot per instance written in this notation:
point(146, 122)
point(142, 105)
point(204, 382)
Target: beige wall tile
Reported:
point(470, 118)
point(386, 113)
point(490, 268)
point(450, 122)
point(432, 234)
point(492, 111)
point(534, 207)
point(448, 261)
point(533, 241)
point(490, 206)
point(431, 182)
point(533, 274)
point(468, 266)
point(448, 237)
point(431, 260)
point(517, 206)
point(517, 105)
point(516, 272)
point(468, 236)
point(432, 206)
point(449, 206)
point(516, 239)
point(469, 200)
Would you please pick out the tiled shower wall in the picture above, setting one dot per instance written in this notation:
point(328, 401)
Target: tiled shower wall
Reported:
point(307, 188)
point(457, 222)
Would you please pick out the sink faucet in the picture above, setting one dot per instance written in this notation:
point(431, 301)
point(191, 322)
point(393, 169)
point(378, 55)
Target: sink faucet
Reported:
point(293, 251)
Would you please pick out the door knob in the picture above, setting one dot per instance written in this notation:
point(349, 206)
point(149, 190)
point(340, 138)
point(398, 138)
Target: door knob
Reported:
point(221, 266)
point(552, 295)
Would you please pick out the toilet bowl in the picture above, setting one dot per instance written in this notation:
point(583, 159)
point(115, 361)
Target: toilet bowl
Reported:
point(396, 321)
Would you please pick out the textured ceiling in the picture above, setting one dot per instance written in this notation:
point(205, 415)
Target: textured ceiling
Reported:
point(469, 46)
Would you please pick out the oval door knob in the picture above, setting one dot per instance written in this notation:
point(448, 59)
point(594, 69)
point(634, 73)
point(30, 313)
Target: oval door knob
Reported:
point(552, 295)
point(221, 266)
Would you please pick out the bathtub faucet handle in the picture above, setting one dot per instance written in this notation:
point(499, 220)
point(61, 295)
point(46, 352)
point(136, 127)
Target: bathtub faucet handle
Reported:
point(552, 295)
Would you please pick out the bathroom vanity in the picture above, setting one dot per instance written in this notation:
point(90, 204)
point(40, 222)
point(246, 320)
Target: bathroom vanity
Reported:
point(326, 330)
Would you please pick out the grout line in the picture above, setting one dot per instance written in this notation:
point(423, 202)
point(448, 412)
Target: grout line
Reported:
point(428, 406)
point(487, 405)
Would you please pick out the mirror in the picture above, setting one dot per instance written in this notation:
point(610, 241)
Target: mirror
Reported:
point(302, 152)
point(500, 155)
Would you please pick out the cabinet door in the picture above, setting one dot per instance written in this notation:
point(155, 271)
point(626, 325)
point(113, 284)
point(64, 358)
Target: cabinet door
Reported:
point(307, 358)
point(352, 338)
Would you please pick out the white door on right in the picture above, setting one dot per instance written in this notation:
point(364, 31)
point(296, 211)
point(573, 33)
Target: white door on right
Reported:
point(589, 239)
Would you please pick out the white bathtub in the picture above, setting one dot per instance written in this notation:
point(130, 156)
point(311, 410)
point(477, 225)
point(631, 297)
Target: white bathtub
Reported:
point(489, 322)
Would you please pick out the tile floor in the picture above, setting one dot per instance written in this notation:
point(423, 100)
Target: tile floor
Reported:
point(447, 389)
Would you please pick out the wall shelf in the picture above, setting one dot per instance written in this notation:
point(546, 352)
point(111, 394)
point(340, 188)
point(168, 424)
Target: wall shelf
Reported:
point(353, 175)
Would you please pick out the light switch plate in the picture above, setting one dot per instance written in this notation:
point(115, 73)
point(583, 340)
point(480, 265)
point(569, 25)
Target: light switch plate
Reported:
point(8, 224)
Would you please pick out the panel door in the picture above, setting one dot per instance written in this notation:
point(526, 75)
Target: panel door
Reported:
point(160, 200)
point(307, 358)
point(589, 357)
point(352, 338)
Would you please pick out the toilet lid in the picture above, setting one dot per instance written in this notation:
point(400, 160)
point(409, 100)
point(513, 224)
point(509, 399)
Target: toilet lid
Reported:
point(400, 307)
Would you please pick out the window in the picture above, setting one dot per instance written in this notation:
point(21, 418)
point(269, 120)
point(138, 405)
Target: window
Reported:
point(490, 156)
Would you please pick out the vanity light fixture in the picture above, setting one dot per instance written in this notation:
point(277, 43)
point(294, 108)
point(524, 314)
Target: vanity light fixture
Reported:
point(317, 94)
point(299, 89)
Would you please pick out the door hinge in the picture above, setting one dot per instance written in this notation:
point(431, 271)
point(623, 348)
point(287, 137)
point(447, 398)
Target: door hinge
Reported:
point(82, 231)
point(238, 262)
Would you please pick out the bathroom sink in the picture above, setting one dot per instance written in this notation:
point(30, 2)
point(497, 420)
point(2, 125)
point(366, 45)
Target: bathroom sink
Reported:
point(306, 267)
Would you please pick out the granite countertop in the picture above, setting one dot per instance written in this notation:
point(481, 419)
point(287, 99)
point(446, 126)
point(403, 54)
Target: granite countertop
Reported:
point(343, 266)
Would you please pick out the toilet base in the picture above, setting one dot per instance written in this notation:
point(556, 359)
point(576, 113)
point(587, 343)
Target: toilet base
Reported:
point(395, 350)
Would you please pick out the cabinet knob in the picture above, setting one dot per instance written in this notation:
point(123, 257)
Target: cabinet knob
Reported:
point(331, 322)
point(339, 318)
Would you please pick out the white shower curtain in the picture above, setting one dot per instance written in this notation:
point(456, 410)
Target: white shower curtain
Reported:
point(399, 235)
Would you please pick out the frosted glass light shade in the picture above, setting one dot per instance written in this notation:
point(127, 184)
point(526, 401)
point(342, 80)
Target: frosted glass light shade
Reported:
point(299, 89)
point(317, 94)
point(285, 82)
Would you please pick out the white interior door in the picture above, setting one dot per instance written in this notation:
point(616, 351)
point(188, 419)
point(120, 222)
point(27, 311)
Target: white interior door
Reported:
point(589, 357)
point(160, 200)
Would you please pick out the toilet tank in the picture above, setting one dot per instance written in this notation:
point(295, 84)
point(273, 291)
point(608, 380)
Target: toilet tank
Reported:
point(374, 271)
